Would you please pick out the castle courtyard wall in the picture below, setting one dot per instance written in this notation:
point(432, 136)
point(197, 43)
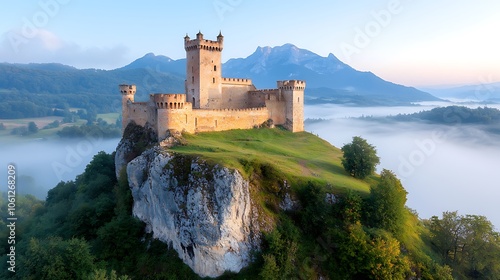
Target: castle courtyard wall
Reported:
point(138, 112)
point(235, 95)
point(226, 119)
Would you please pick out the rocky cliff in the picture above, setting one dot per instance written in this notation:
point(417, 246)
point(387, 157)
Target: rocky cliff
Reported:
point(203, 211)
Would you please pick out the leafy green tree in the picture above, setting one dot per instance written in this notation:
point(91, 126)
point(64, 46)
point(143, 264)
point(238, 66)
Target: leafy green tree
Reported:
point(314, 210)
point(270, 269)
point(53, 124)
point(386, 205)
point(468, 244)
point(21, 130)
point(360, 255)
point(32, 127)
point(280, 255)
point(360, 158)
point(102, 274)
point(55, 258)
point(348, 208)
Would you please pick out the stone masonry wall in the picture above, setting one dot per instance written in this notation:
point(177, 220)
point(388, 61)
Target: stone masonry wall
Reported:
point(226, 119)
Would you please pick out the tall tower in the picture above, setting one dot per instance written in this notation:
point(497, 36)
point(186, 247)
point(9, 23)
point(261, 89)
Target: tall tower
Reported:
point(203, 71)
point(293, 93)
point(128, 92)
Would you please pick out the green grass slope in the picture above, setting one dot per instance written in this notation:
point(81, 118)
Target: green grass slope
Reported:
point(299, 157)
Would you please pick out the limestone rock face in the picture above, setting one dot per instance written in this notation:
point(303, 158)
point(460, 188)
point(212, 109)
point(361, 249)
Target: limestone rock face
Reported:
point(203, 211)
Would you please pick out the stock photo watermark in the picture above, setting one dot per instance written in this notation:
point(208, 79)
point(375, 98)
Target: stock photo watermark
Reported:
point(11, 216)
point(425, 148)
point(222, 7)
point(47, 10)
point(364, 35)
point(75, 155)
point(485, 89)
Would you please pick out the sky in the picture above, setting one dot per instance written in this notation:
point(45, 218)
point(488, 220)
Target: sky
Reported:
point(415, 43)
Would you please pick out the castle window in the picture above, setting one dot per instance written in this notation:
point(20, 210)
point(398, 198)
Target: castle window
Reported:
point(192, 79)
point(213, 80)
point(298, 99)
point(215, 67)
point(215, 123)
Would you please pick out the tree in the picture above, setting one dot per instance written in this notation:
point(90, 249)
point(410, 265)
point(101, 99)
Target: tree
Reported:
point(387, 204)
point(360, 158)
point(55, 258)
point(469, 244)
point(32, 127)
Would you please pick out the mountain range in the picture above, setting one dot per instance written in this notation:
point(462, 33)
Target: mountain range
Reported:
point(328, 79)
point(483, 92)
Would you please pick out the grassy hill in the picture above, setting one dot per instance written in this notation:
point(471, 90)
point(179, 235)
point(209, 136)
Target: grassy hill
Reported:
point(299, 157)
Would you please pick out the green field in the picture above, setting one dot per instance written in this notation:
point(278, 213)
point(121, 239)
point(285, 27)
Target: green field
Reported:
point(110, 118)
point(41, 122)
point(300, 157)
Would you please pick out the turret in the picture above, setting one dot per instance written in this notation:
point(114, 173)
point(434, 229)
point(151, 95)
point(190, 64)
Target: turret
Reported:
point(128, 92)
point(220, 38)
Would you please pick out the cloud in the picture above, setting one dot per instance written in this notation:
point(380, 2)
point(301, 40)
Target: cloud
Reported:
point(43, 46)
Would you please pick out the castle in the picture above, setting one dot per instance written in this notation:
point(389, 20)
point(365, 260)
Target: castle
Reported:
point(214, 103)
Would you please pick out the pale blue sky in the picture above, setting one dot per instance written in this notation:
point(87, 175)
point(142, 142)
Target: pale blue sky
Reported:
point(416, 43)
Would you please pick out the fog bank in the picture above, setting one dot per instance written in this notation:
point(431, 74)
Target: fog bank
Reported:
point(41, 165)
point(443, 168)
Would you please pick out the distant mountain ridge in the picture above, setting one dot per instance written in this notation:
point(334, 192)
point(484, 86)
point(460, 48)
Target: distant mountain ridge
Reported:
point(159, 63)
point(484, 92)
point(328, 79)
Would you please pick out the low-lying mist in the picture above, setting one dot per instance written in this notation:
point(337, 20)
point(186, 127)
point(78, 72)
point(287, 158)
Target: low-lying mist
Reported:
point(40, 165)
point(443, 167)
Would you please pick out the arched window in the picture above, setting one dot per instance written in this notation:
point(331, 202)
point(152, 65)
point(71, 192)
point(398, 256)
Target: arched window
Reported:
point(213, 80)
point(194, 102)
point(215, 67)
point(192, 79)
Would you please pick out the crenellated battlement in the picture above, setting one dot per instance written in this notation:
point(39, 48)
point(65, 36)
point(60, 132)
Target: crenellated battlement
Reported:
point(266, 90)
point(292, 85)
point(237, 81)
point(200, 43)
point(127, 89)
point(237, 110)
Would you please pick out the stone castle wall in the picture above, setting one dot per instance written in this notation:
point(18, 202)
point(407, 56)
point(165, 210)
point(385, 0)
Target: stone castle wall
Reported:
point(227, 119)
point(212, 102)
point(235, 95)
point(139, 113)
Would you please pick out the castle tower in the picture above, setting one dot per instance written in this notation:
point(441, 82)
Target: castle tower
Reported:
point(203, 71)
point(128, 92)
point(293, 93)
